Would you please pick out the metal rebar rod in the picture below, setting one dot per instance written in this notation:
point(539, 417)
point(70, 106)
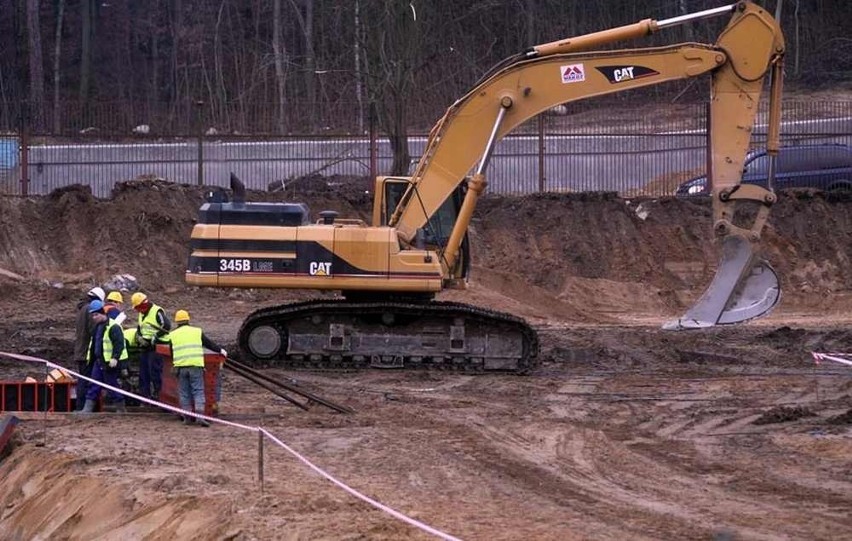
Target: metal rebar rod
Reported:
point(231, 363)
point(266, 386)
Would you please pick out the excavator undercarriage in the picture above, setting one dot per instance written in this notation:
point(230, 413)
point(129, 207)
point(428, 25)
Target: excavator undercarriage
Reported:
point(342, 334)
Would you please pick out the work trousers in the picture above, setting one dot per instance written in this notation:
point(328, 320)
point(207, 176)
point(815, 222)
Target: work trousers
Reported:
point(150, 374)
point(191, 388)
point(103, 373)
point(84, 368)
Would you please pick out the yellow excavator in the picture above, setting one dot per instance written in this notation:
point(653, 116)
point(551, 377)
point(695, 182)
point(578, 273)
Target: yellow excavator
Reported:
point(389, 271)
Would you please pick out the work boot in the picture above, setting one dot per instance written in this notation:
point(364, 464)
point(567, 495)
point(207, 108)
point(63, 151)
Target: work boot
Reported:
point(203, 422)
point(187, 420)
point(89, 407)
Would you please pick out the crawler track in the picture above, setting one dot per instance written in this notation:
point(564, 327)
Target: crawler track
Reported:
point(340, 334)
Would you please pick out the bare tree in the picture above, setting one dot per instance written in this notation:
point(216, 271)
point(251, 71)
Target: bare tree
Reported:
point(87, 15)
point(688, 33)
point(280, 75)
point(36, 66)
point(57, 55)
point(359, 91)
point(174, 72)
point(394, 49)
point(257, 63)
point(306, 24)
point(796, 35)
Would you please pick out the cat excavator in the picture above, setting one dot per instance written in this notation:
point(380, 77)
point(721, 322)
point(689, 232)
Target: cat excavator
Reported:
point(389, 271)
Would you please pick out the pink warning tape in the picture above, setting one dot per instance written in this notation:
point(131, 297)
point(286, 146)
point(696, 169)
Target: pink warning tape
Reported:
point(378, 505)
point(835, 357)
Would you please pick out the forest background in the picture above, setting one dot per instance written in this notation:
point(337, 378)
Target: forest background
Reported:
point(314, 66)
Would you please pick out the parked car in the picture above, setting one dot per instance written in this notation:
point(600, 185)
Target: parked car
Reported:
point(824, 166)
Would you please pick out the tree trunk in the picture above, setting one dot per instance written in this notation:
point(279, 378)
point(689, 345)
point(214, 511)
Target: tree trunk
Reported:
point(688, 32)
point(796, 40)
point(36, 67)
point(87, 15)
point(280, 76)
point(57, 55)
point(397, 123)
point(359, 91)
point(177, 26)
point(529, 28)
point(310, 62)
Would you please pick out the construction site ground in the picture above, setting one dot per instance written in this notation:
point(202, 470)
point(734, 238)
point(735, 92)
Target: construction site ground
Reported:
point(624, 431)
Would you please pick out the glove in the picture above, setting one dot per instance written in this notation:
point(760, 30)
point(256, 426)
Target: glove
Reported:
point(113, 363)
point(223, 353)
point(143, 342)
point(125, 373)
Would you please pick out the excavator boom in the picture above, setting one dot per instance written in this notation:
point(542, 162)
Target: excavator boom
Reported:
point(746, 52)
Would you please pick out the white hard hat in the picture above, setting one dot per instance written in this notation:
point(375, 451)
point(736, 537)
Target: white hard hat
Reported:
point(97, 293)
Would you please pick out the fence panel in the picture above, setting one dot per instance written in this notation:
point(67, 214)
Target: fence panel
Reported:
point(639, 156)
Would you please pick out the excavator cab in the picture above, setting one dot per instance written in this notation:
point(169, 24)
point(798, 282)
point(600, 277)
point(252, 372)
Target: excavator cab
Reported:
point(436, 232)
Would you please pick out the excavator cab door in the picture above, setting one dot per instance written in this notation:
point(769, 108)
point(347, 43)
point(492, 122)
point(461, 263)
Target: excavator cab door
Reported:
point(436, 233)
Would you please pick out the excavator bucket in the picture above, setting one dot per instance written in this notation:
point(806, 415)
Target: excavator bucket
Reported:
point(744, 288)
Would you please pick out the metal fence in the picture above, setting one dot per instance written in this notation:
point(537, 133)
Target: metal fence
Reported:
point(618, 151)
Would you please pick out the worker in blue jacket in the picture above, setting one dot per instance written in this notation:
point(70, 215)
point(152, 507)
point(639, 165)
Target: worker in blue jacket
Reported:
point(105, 351)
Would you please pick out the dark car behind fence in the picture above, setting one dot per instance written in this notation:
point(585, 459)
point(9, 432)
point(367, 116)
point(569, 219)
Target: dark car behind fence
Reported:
point(822, 166)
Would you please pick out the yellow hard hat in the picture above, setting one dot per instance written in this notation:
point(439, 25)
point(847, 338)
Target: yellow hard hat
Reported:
point(138, 298)
point(181, 316)
point(115, 296)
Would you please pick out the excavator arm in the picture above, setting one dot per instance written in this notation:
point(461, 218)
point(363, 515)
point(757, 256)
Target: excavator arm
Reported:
point(749, 49)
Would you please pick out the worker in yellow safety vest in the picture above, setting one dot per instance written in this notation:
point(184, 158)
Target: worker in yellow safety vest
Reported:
point(187, 345)
point(153, 326)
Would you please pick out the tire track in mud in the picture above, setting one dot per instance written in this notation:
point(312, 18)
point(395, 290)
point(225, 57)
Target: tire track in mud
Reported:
point(640, 458)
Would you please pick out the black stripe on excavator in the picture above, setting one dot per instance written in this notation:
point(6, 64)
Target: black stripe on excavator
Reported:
point(243, 245)
point(312, 258)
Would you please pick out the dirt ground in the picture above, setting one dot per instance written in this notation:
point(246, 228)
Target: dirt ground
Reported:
point(625, 431)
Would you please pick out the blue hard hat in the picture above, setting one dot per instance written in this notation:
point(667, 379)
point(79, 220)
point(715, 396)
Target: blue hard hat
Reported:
point(96, 306)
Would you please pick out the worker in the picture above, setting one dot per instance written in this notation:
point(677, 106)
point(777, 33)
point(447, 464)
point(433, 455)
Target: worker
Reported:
point(82, 337)
point(105, 351)
point(113, 305)
point(153, 326)
point(187, 344)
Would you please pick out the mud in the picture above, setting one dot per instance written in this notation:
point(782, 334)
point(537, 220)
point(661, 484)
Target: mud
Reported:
point(625, 431)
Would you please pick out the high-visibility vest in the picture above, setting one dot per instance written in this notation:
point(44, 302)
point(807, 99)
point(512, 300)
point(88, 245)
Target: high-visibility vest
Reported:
point(107, 344)
point(148, 325)
point(130, 338)
point(186, 346)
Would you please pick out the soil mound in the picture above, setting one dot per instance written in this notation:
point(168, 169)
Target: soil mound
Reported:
point(575, 257)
